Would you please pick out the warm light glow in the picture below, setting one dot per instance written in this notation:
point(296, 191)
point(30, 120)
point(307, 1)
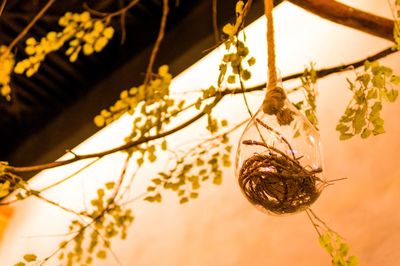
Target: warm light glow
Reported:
point(220, 228)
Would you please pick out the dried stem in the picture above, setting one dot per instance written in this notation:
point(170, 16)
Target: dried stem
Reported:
point(3, 5)
point(30, 25)
point(157, 44)
point(215, 20)
point(112, 14)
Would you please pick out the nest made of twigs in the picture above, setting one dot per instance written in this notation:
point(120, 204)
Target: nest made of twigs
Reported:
point(277, 182)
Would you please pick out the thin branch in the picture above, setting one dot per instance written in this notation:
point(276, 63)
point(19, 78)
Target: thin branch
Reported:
point(215, 20)
point(157, 44)
point(327, 71)
point(3, 5)
point(30, 25)
point(112, 14)
point(70, 176)
point(349, 16)
point(58, 205)
point(116, 149)
point(321, 73)
point(123, 27)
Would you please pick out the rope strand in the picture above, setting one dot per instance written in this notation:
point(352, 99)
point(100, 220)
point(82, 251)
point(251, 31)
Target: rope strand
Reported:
point(272, 77)
point(275, 97)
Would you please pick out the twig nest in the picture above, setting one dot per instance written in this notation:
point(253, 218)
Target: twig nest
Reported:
point(279, 166)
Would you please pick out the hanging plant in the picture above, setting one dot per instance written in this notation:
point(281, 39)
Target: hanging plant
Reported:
point(279, 162)
point(277, 172)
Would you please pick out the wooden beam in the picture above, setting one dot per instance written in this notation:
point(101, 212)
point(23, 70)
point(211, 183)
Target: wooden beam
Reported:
point(349, 16)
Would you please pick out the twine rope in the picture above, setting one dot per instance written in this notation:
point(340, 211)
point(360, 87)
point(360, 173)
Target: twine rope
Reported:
point(275, 96)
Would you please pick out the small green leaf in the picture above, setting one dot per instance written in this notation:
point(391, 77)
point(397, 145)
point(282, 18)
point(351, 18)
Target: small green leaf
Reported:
point(378, 130)
point(342, 128)
point(164, 145)
point(246, 75)
point(231, 79)
point(345, 136)
point(395, 80)
point(156, 181)
point(30, 257)
point(149, 199)
point(4, 189)
point(183, 200)
point(392, 95)
point(217, 180)
point(251, 61)
point(140, 161)
point(366, 133)
point(365, 78)
point(198, 104)
point(194, 195)
point(101, 254)
point(344, 249)
point(110, 185)
point(352, 261)
point(151, 189)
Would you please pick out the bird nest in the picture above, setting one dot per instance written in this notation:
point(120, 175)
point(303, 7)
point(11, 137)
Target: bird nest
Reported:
point(278, 182)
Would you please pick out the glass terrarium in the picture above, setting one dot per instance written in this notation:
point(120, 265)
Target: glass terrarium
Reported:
point(279, 164)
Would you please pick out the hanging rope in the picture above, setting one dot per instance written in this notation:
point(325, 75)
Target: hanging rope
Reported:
point(275, 97)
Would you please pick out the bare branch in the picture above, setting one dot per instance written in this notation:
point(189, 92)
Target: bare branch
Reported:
point(349, 16)
point(30, 25)
point(3, 5)
point(156, 46)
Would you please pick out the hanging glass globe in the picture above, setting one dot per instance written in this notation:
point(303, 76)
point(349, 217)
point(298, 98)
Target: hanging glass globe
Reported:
point(279, 162)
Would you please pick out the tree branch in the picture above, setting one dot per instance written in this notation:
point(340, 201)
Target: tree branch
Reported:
point(130, 144)
point(157, 44)
point(349, 16)
point(320, 74)
point(3, 5)
point(30, 25)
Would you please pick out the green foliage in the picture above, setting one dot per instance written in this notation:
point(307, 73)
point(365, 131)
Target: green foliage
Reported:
point(152, 108)
point(80, 30)
point(203, 162)
point(396, 29)
point(308, 106)
point(152, 101)
point(339, 250)
point(27, 258)
point(9, 181)
point(5, 189)
point(236, 60)
point(6, 67)
point(371, 88)
point(92, 236)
